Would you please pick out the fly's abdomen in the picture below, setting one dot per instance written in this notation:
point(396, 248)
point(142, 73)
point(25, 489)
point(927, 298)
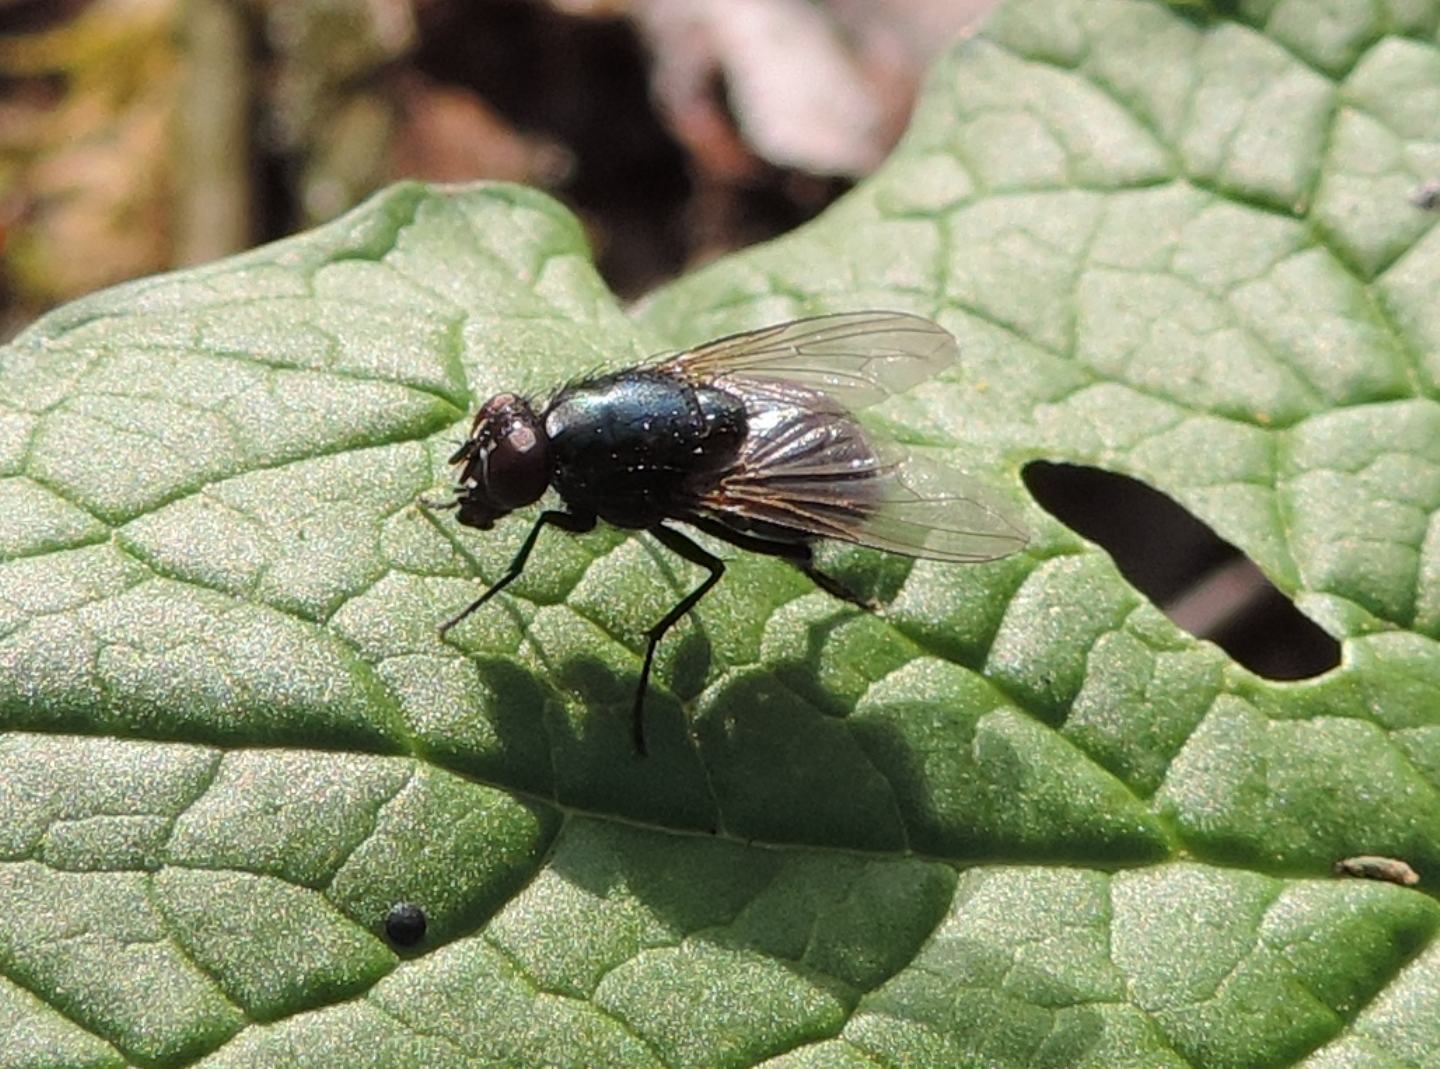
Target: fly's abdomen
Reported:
point(637, 446)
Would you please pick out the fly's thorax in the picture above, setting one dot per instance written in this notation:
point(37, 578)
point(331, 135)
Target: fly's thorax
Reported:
point(643, 416)
point(633, 406)
point(631, 446)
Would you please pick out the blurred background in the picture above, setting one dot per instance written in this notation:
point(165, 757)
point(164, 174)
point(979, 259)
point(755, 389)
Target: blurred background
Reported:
point(140, 135)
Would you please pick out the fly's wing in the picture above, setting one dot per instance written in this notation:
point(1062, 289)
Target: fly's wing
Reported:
point(817, 473)
point(856, 358)
point(926, 510)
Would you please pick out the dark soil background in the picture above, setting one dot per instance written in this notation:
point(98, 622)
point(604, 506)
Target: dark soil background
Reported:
point(140, 135)
point(137, 135)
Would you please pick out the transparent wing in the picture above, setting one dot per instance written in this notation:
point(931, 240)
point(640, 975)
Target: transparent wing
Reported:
point(857, 358)
point(820, 474)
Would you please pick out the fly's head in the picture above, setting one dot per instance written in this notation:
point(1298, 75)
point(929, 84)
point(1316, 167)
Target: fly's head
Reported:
point(505, 463)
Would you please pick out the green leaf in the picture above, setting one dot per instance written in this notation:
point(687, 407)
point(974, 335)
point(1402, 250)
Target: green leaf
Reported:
point(1016, 819)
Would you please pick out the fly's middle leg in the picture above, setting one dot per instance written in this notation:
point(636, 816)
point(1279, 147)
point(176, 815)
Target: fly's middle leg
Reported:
point(677, 543)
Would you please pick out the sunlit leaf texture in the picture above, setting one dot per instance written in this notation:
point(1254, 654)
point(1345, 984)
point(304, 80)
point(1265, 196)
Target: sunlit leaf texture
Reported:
point(1015, 819)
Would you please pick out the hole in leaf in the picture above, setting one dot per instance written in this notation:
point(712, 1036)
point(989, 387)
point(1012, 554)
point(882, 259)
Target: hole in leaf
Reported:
point(1205, 585)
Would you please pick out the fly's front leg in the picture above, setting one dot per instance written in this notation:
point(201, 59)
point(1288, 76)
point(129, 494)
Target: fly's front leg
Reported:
point(566, 521)
point(430, 504)
point(677, 543)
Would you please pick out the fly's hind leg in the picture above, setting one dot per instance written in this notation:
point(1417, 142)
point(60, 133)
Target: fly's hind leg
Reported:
point(797, 553)
point(833, 586)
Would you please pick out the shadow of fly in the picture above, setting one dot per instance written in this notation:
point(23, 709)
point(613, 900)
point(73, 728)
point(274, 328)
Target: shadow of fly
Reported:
point(751, 438)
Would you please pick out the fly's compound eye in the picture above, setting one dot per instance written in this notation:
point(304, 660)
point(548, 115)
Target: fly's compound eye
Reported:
point(493, 413)
point(517, 467)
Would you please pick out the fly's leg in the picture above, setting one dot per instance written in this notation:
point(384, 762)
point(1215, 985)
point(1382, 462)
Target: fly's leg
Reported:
point(430, 504)
point(797, 553)
point(566, 521)
point(833, 586)
point(676, 543)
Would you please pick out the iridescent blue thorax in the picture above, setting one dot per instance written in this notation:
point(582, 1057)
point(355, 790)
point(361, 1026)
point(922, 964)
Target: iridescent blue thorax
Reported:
point(638, 446)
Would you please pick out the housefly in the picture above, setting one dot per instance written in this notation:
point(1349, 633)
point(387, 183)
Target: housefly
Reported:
point(751, 439)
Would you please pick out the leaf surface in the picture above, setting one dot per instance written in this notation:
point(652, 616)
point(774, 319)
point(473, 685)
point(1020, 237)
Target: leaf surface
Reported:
point(1017, 819)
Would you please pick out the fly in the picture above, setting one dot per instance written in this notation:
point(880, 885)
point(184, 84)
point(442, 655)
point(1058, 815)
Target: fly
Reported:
point(752, 439)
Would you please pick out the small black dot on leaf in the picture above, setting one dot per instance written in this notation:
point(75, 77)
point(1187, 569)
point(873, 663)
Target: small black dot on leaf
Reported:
point(405, 924)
